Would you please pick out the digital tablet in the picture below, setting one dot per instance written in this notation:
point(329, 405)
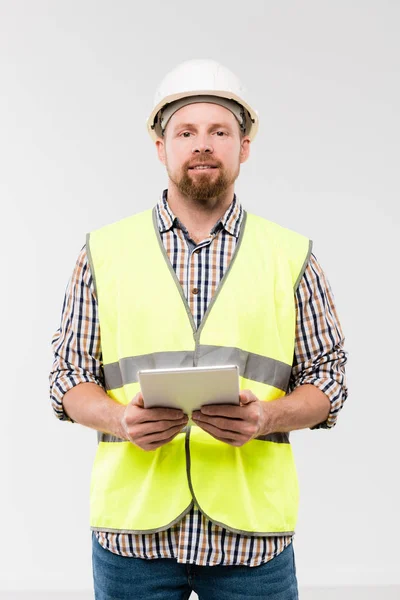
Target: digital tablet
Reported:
point(189, 388)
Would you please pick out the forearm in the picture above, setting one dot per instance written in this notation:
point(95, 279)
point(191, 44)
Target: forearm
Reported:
point(305, 407)
point(89, 405)
point(319, 356)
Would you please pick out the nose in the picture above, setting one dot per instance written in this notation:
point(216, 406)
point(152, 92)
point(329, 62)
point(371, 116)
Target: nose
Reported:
point(202, 145)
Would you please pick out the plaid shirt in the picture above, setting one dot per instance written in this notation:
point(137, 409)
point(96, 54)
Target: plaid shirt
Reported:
point(319, 359)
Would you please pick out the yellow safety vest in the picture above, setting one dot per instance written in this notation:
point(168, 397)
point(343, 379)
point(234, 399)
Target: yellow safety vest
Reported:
point(145, 322)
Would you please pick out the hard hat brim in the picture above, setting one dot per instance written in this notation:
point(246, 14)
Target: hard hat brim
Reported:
point(251, 133)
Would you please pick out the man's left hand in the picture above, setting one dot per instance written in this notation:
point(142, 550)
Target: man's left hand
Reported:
point(234, 425)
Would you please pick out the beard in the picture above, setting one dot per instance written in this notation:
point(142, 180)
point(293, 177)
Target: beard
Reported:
point(203, 186)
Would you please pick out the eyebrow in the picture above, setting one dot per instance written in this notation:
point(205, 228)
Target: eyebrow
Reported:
point(192, 126)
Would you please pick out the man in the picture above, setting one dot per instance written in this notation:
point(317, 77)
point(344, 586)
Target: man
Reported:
point(210, 508)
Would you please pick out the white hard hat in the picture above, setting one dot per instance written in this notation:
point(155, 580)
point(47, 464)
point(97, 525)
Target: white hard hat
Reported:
point(201, 81)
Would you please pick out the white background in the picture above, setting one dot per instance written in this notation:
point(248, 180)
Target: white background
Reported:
point(77, 82)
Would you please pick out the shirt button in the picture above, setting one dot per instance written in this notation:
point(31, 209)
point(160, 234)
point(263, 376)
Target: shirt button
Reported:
point(195, 290)
point(197, 251)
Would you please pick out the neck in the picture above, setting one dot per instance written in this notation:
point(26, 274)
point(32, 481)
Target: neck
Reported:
point(198, 216)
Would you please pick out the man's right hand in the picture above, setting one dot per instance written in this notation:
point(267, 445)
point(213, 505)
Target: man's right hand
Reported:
point(150, 428)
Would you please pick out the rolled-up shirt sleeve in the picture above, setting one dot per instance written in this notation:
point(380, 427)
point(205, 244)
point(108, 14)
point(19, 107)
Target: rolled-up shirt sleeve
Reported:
point(319, 355)
point(76, 343)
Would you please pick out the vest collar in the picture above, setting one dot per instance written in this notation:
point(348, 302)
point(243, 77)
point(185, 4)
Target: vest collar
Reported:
point(231, 220)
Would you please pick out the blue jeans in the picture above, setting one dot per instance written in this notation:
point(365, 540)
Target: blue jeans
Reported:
point(122, 578)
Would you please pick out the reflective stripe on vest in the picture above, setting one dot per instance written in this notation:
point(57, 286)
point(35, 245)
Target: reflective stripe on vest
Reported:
point(251, 366)
point(278, 438)
point(146, 322)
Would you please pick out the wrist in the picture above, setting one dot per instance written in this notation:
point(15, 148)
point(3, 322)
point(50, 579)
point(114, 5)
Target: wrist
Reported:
point(119, 427)
point(265, 419)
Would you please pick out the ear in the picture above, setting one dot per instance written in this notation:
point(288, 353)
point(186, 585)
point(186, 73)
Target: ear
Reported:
point(244, 149)
point(161, 150)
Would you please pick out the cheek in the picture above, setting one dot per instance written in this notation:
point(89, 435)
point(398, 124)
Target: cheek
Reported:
point(230, 153)
point(176, 157)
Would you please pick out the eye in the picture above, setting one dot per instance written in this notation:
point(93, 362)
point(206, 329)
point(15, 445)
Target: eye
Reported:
point(223, 133)
point(185, 132)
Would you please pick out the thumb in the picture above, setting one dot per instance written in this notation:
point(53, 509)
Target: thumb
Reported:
point(138, 400)
point(246, 397)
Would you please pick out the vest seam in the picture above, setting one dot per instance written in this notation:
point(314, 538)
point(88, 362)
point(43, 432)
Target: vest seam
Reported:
point(144, 531)
point(149, 531)
point(93, 273)
point(304, 266)
point(171, 270)
point(224, 278)
point(91, 264)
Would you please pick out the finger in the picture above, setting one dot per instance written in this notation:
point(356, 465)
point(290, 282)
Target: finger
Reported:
point(223, 436)
point(157, 427)
point(157, 413)
point(157, 437)
point(156, 445)
point(222, 410)
point(228, 425)
point(152, 415)
point(247, 396)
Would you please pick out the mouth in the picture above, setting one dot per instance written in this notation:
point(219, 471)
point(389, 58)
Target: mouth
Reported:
point(203, 168)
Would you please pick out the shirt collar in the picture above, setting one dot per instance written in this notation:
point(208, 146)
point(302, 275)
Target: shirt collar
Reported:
point(165, 217)
point(230, 221)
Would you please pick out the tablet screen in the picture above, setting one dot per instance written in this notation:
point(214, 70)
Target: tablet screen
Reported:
point(190, 388)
